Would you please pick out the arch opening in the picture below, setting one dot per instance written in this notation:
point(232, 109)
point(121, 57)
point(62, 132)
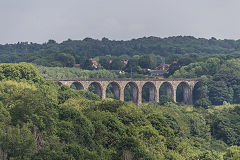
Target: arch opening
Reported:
point(76, 85)
point(198, 92)
point(149, 92)
point(166, 89)
point(96, 88)
point(131, 92)
point(183, 93)
point(113, 91)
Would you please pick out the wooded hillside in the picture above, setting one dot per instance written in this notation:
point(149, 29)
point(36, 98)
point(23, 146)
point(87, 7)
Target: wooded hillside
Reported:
point(41, 120)
point(70, 52)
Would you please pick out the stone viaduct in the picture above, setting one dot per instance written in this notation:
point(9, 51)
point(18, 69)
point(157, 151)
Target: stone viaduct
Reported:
point(136, 87)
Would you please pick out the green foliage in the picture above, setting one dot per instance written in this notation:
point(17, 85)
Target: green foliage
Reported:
point(75, 127)
point(116, 64)
point(110, 105)
point(17, 142)
point(233, 153)
point(87, 65)
point(5, 116)
point(220, 92)
point(19, 71)
point(173, 155)
point(108, 128)
point(203, 102)
point(41, 120)
point(58, 59)
point(65, 53)
point(163, 99)
point(132, 65)
point(147, 61)
point(219, 79)
point(61, 73)
point(80, 153)
point(27, 104)
point(65, 93)
point(159, 122)
point(225, 124)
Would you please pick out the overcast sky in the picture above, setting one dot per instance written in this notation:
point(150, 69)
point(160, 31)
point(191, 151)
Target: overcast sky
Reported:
point(41, 20)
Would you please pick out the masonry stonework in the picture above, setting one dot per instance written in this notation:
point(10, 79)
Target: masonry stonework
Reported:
point(136, 86)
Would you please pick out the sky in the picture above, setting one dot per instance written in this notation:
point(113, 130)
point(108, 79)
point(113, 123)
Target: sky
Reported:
point(40, 20)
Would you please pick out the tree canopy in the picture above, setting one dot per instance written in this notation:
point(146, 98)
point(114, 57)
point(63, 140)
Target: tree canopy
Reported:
point(68, 52)
point(41, 120)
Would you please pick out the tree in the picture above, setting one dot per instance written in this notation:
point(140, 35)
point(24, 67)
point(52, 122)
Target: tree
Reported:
point(17, 142)
point(116, 64)
point(132, 65)
point(87, 65)
point(213, 65)
point(219, 92)
point(224, 125)
point(104, 61)
point(19, 71)
point(147, 61)
point(203, 102)
point(66, 59)
point(163, 99)
point(233, 153)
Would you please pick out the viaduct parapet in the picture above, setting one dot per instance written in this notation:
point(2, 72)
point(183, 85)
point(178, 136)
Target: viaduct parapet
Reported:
point(136, 87)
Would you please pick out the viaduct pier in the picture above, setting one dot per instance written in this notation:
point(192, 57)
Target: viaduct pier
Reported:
point(136, 87)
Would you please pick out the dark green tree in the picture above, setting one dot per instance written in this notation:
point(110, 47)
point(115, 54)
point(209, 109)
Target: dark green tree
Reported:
point(105, 62)
point(18, 142)
point(87, 65)
point(147, 61)
point(132, 65)
point(116, 64)
point(220, 92)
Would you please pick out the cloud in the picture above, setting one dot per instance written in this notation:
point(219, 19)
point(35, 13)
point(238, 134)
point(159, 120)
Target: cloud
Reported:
point(39, 21)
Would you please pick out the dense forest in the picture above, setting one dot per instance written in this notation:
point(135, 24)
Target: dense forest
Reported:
point(42, 120)
point(73, 73)
point(214, 62)
point(219, 77)
point(70, 52)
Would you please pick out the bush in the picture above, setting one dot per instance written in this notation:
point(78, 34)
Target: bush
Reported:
point(163, 99)
point(204, 102)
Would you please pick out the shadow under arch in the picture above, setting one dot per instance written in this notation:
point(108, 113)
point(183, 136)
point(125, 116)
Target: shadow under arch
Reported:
point(113, 90)
point(197, 93)
point(96, 88)
point(131, 92)
point(149, 92)
point(166, 88)
point(76, 85)
point(184, 93)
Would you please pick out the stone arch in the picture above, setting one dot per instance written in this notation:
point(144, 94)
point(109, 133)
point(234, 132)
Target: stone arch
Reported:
point(114, 88)
point(184, 93)
point(76, 85)
point(149, 92)
point(166, 88)
point(96, 88)
point(131, 90)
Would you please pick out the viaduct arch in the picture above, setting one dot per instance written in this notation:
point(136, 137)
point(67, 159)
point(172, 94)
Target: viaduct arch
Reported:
point(136, 85)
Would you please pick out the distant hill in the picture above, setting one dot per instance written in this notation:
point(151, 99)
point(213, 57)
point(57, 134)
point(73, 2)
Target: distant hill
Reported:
point(75, 51)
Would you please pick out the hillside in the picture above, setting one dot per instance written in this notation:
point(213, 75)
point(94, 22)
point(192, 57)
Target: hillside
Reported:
point(41, 120)
point(70, 52)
